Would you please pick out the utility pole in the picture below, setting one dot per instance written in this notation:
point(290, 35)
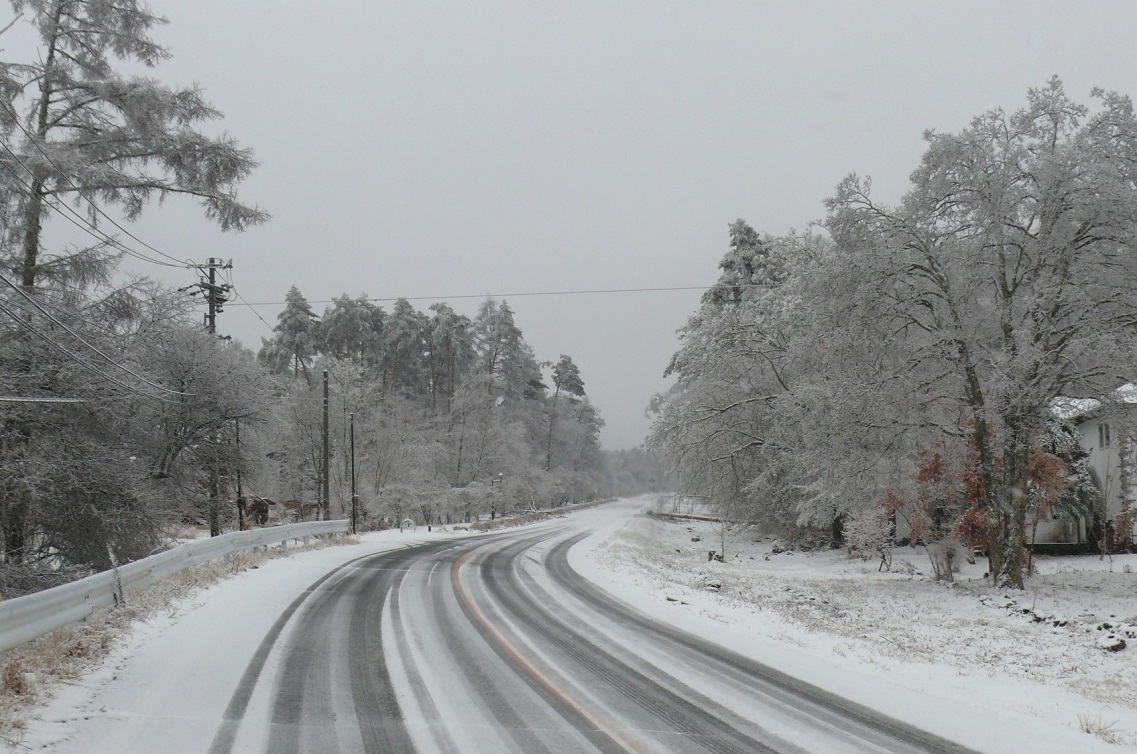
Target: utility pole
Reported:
point(242, 519)
point(493, 498)
point(215, 295)
point(354, 497)
point(324, 492)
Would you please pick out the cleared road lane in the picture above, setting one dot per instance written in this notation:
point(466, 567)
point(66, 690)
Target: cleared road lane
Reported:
point(495, 644)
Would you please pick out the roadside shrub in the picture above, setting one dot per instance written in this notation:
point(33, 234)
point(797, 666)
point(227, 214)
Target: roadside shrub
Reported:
point(946, 555)
point(869, 531)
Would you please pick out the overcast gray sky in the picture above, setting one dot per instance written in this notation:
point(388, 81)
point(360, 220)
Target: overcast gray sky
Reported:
point(427, 149)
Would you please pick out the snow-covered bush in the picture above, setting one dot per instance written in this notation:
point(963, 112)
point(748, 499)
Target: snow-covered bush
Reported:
point(870, 531)
point(946, 556)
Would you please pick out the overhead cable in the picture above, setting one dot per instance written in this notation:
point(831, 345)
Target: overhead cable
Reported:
point(370, 299)
point(91, 202)
point(90, 368)
point(31, 299)
point(66, 212)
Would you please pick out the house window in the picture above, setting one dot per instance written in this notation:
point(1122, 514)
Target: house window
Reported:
point(1103, 435)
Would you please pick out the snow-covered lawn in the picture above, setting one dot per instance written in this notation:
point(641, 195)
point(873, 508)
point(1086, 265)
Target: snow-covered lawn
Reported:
point(1036, 656)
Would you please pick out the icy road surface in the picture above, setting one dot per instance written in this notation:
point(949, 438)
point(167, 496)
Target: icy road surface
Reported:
point(499, 646)
point(483, 644)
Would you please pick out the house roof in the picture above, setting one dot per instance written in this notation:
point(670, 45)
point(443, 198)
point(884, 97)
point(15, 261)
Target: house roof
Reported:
point(1080, 409)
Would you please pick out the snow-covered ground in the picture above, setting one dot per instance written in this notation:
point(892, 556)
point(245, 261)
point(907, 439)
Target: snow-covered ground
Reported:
point(1035, 656)
point(215, 633)
point(956, 660)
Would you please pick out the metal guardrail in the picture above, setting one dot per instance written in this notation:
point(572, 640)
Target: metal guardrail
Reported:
point(25, 618)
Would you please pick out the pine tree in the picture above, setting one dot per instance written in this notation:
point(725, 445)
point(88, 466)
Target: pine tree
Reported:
point(293, 345)
point(566, 378)
point(79, 132)
point(451, 352)
point(94, 134)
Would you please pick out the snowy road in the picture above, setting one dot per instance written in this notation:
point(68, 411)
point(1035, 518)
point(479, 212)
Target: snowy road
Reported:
point(497, 645)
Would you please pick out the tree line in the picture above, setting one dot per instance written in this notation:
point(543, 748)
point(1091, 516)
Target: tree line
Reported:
point(108, 395)
point(903, 360)
point(456, 416)
point(122, 419)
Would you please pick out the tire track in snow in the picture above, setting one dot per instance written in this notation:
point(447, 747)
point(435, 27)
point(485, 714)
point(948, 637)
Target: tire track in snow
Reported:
point(814, 706)
point(377, 711)
point(489, 654)
point(239, 701)
point(671, 719)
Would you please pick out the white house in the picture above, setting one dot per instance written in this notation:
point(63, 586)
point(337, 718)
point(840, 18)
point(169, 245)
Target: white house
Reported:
point(1107, 432)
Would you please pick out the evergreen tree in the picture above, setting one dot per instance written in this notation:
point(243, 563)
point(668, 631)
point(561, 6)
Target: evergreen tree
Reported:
point(93, 133)
point(293, 345)
point(81, 132)
point(451, 349)
point(405, 347)
point(745, 267)
point(566, 378)
point(345, 329)
point(507, 360)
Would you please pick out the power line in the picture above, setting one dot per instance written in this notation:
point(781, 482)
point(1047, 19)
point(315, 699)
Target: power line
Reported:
point(81, 223)
point(525, 294)
point(31, 299)
point(32, 140)
point(233, 287)
point(62, 209)
point(28, 326)
point(67, 311)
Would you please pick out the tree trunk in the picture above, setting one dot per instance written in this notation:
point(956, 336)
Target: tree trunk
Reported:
point(15, 536)
point(214, 504)
point(1016, 472)
point(552, 424)
point(15, 519)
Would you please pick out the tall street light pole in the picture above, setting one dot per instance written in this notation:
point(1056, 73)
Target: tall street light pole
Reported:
point(242, 519)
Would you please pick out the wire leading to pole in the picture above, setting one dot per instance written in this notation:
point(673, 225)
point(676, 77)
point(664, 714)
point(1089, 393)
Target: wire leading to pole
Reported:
point(67, 329)
point(521, 294)
point(19, 320)
point(61, 174)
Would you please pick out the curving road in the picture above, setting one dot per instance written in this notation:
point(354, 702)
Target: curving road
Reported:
point(496, 644)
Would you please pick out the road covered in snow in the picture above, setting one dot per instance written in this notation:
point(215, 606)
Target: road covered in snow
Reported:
point(489, 643)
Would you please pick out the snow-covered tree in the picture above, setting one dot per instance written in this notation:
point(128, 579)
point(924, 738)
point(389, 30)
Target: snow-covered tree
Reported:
point(293, 345)
point(451, 353)
point(566, 379)
point(83, 131)
point(1008, 276)
point(90, 132)
point(720, 423)
point(344, 330)
point(405, 349)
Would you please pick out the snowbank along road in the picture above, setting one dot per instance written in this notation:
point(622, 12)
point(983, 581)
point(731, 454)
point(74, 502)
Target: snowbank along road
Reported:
point(495, 644)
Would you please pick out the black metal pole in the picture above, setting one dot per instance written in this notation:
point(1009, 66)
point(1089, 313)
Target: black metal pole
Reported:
point(354, 497)
point(324, 487)
point(242, 520)
point(211, 299)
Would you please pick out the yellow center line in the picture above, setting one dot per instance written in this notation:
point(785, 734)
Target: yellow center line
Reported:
point(601, 722)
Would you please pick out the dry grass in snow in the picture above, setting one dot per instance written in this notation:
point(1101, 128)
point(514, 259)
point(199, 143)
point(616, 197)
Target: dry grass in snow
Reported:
point(28, 673)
